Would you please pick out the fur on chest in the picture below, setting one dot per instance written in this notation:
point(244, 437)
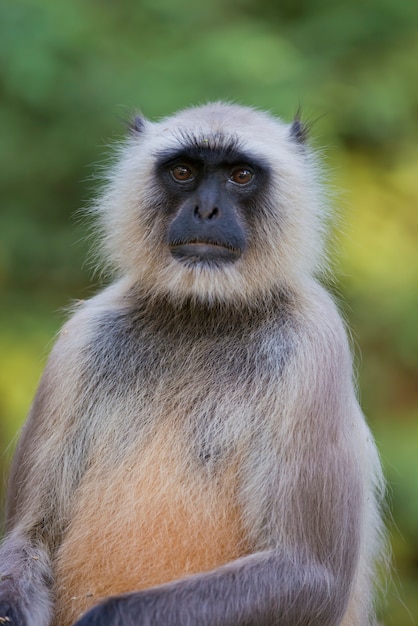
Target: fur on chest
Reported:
point(155, 518)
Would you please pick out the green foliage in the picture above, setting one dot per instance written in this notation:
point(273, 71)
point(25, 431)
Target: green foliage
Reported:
point(72, 71)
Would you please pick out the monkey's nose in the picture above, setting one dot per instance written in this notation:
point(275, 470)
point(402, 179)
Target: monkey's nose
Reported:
point(203, 213)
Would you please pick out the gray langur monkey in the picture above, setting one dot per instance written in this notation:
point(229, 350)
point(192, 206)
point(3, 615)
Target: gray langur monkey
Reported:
point(195, 454)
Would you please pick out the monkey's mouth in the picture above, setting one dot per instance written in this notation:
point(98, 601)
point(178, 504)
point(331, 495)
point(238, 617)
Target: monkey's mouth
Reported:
point(204, 251)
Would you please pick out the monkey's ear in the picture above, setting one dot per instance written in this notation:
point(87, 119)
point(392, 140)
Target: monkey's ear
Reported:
point(137, 125)
point(299, 130)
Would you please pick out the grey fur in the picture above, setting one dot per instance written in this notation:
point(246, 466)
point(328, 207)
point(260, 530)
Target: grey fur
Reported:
point(249, 367)
point(25, 582)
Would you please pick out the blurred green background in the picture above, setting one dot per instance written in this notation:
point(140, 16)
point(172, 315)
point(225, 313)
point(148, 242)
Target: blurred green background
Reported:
point(72, 71)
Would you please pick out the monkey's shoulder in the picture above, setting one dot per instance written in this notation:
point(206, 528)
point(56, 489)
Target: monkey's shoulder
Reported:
point(119, 340)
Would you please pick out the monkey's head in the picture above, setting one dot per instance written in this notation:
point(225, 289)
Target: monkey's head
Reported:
point(217, 203)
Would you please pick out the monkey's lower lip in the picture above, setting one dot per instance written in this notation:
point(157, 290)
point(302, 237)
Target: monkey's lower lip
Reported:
point(202, 251)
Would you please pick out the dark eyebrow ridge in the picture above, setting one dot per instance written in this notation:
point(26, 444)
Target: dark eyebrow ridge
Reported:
point(215, 149)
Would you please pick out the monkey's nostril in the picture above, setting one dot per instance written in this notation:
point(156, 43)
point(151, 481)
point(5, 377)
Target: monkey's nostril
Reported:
point(203, 214)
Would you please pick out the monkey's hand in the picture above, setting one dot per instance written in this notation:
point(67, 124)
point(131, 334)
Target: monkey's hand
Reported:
point(107, 613)
point(143, 608)
point(25, 583)
point(10, 614)
point(118, 611)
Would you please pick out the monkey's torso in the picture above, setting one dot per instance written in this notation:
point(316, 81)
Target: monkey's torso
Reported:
point(175, 504)
point(185, 448)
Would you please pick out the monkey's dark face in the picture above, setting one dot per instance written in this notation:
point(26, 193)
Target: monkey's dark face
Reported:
point(210, 194)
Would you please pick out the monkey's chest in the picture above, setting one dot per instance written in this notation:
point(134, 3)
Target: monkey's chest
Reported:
point(149, 521)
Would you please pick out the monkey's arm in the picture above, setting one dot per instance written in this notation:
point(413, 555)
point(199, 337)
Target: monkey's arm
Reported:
point(25, 563)
point(265, 589)
point(38, 494)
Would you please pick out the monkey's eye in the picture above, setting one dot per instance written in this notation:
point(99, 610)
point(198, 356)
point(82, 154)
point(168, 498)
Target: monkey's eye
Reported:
point(241, 176)
point(182, 173)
